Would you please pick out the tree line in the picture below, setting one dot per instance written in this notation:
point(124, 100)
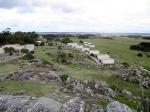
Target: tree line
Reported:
point(143, 46)
point(6, 37)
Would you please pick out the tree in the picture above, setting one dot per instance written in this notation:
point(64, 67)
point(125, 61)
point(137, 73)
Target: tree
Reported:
point(28, 56)
point(50, 44)
point(64, 77)
point(18, 37)
point(140, 55)
point(66, 40)
point(9, 50)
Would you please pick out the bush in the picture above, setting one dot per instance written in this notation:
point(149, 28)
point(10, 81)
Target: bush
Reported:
point(32, 52)
point(81, 41)
point(140, 55)
point(62, 57)
point(9, 50)
point(148, 55)
point(28, 56)
point(45, 62)
point(24, 51)
point(59, 47)
point(70, 55)
point(143, 46)
point(42, 44)
point(64, 77)
point(66, 40)
point(50, 44)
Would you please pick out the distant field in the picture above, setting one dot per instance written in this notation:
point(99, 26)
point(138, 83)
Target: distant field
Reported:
point(118, 48)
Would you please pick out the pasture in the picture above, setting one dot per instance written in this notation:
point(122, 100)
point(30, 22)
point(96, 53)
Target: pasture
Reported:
point(118, 48)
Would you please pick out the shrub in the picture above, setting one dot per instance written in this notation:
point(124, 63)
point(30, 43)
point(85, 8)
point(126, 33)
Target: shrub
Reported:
point(66, 40)
point(64, 77)
point(59, 47)
point(42, 44)
point(28, 56)
point(70, 55)
point(45, 62)
point(9, 50)
point(24, 51)
point(140, 55)
point(50, 44)
point(32, 52)
point(81, 41)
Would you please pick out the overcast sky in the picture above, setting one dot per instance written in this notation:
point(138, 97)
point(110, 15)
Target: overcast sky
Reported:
point(76, 15)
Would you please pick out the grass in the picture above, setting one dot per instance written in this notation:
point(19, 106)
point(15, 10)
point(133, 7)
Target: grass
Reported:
point(7, 68)
point(118, 48)
point(29, 87)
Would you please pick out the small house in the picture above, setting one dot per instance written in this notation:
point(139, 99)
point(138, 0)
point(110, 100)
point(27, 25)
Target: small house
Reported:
point(92, 46)
point(102, 56)
point(73, 45)
point(95, 52)
point(86, 49)
point(79, 47)
point(108, 61)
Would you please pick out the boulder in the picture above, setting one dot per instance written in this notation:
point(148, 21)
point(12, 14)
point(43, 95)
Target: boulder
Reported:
point(115, 106)
point(74, 105)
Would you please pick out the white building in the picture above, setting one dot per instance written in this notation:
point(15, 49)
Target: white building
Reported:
point(79, 47)
point(1, 51)
point(95, 52)
point(72, 45)
point(86, 45)
point(85, 42)
point(89, 43)
point(86, 49)
point(102, 56)
point(108, 61)
point(92, 46)
point(18, 47)
point(30, 47)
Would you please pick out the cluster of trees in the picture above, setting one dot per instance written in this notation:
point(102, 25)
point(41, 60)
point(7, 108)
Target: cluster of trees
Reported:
point(9, 50)
point(146, 38)
point(66, 40)
point(6, 37)
point(143, 46)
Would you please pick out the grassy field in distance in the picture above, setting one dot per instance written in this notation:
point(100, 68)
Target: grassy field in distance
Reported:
point(118, 48)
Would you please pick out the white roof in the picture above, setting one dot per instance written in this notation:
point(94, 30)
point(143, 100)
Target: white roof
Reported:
point(96, 52)
point(103, 56)
point(79, 47)
point(1, 51)
point(91, 45)
point(108, 61)
point(85, 49)
point(85, 42)
point(72, 44)
point(30, 47)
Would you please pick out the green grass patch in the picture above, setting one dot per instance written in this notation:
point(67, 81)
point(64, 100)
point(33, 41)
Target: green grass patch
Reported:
point(118, 48)
point(7, 68)
point(29, 87)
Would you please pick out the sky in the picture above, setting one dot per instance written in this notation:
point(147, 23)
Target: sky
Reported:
point(105, 16)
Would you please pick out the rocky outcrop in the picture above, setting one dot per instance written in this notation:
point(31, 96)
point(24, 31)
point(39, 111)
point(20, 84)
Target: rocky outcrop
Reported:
point(74, 105)
point(117, 107)
point(10, 103)
point(32, 75)
point(134, 74)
